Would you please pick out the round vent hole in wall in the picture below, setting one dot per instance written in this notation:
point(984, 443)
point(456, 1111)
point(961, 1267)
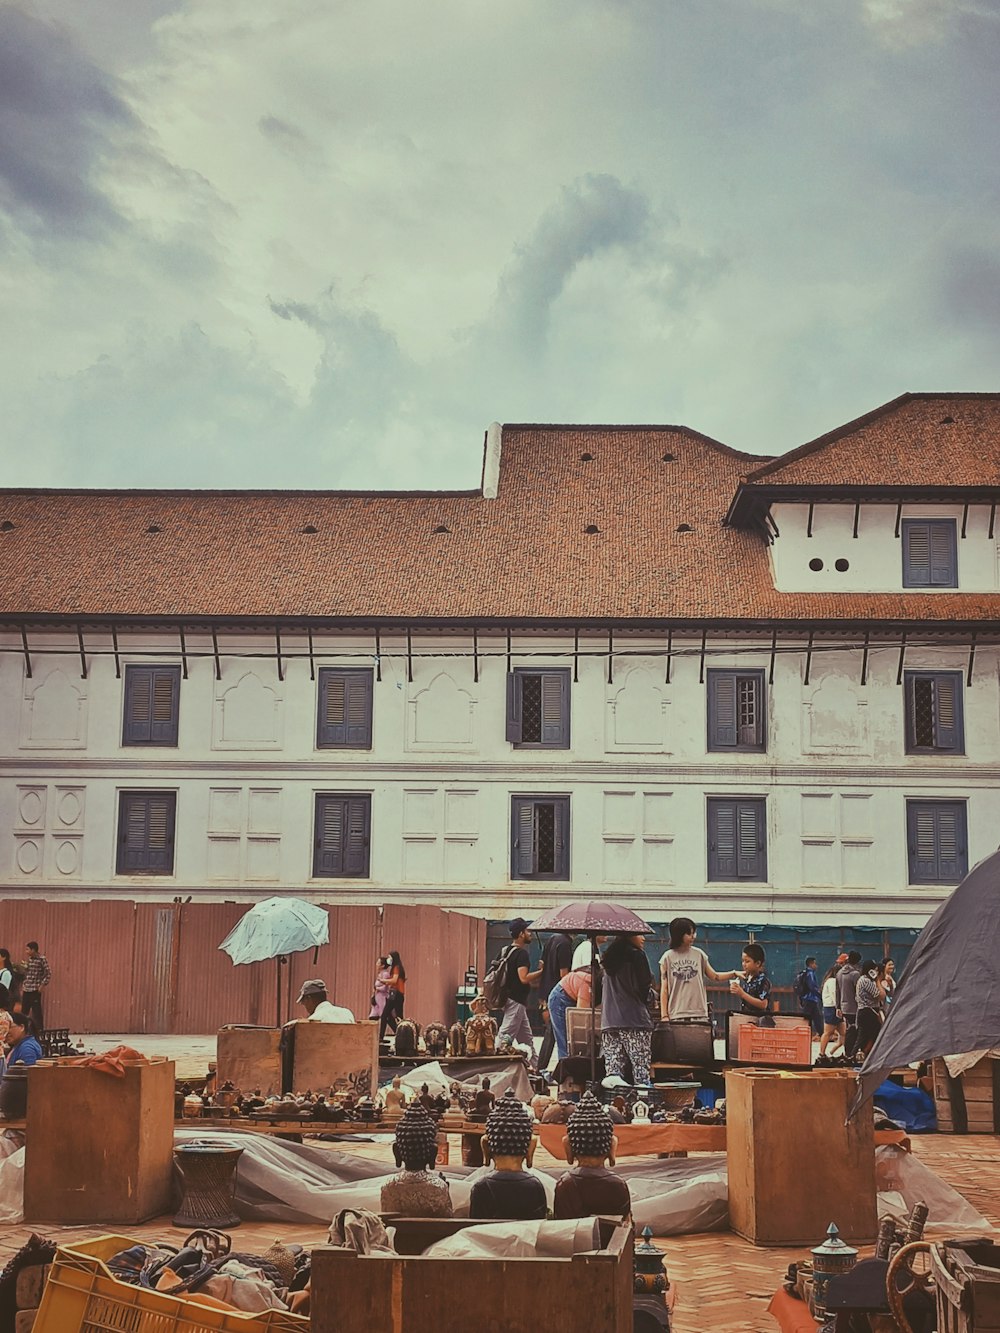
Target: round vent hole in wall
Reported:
point(816, 564)
point(842, 565)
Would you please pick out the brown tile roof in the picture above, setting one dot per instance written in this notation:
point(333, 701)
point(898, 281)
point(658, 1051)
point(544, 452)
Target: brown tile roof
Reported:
point(660, 551)
point(919, 439)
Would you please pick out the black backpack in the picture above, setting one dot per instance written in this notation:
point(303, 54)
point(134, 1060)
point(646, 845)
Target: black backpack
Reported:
point(495, 980)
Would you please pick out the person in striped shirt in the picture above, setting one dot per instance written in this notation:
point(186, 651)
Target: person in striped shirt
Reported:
point(37, 976)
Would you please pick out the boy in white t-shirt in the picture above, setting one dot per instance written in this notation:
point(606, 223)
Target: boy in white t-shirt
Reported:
point(683, 970)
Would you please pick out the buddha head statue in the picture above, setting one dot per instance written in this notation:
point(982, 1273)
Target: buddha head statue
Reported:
point(508, 1131)
point(415, 1144)
point(590, 1133)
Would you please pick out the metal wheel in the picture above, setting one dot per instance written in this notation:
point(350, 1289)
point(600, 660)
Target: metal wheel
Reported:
point(909, 1271)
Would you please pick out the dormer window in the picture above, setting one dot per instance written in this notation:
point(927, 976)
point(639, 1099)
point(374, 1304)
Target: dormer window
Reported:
point(930, 553)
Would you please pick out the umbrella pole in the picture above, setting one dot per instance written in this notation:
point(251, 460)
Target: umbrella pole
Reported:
point(593, 1014)
point(277, 991)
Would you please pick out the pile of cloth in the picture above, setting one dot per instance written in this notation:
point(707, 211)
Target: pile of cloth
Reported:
point(205, 1270)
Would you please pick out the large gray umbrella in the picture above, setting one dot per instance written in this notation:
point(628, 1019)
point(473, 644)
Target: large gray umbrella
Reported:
point(593, 918)
point(947, 1001)
point(274, 928)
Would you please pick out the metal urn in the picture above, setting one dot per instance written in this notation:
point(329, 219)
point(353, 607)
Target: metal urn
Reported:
point(650, 1275)
point(830, 1259)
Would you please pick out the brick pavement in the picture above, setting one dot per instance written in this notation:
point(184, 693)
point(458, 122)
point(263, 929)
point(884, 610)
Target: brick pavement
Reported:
point(723, 1282)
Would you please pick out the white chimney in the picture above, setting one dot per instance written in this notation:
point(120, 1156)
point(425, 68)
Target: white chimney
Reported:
point(491, 460)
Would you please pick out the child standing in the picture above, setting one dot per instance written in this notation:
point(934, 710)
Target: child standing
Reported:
point(754, 986)
point(683, 970)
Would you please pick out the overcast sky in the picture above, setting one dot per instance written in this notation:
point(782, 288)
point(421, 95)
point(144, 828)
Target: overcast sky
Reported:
point(323, 243)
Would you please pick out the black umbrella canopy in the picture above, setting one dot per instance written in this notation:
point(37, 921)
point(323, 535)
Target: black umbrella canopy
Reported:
point(948, 999)
point(592, 918)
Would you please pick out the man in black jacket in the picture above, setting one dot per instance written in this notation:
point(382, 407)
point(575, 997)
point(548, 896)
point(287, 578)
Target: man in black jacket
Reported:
point(847, 999)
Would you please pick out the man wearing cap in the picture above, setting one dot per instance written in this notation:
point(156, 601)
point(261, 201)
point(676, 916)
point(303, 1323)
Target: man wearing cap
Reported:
point(318, 1008)
point(517, 988)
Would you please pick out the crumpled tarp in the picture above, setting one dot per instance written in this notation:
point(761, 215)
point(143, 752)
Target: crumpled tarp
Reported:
point(958, 1064)
point(910, 1107)
point(11, 1176)
point(947, 1001)
point(520, 1240)
point(901, 1176)
point(502, 1074)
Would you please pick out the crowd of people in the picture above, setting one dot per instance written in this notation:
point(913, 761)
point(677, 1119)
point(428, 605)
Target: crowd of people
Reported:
point(848, 1008)
point(21, 1013)
point(631, 998)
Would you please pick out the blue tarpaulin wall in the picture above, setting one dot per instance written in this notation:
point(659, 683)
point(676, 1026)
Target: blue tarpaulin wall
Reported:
point(787, 948)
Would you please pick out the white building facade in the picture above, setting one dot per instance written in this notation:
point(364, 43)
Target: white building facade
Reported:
point(634, 664)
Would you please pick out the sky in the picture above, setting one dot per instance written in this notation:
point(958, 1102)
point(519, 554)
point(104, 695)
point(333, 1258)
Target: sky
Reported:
point(324, 243)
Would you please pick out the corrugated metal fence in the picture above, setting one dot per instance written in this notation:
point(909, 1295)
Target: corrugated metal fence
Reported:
point(156, 967)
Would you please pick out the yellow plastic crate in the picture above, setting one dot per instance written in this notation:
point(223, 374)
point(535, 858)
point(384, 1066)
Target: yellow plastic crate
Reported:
point(82, 1296)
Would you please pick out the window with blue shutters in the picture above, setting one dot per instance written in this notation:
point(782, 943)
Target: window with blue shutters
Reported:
point(736, 705)
point(937, 842)
point(930, 553)
point(539, 837)
point(538, 708)
point(146, 833)
point(737, 838)
point(343, 835)
point(934, 721)
point(152, 705)
point(344, 720)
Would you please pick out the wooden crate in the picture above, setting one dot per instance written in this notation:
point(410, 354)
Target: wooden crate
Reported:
point(338, 1055)
point(968, 1104)
point(249, 1058)
point(98, 1148)
point(795, 1166)
point(353, 1293)
point(967, 1286)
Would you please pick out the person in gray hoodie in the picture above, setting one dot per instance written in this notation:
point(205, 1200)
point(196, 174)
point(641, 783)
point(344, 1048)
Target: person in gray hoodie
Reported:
point(847, 999)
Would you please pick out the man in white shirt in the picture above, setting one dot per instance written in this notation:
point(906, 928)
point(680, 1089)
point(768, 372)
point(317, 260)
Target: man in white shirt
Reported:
point(313, 999)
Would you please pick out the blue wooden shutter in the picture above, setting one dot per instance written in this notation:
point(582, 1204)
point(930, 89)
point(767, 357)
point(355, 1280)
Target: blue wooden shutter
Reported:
point(146, 833)
point(152, 697)
point(750, 846)
point(737, 847)
point(555, 709)
point(948, 711)
point(722, 840)
point(952, 855)
point(561, 810)
point(522, 837)
point(916, 554)
point(166, 696)
point(345, 709)
point(722, 720)
point(358, 814)
point(930, 553)
point(943, 554)
point(936, 841)
point(513, 731)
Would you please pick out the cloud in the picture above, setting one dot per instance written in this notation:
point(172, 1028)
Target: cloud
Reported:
point(61, 120)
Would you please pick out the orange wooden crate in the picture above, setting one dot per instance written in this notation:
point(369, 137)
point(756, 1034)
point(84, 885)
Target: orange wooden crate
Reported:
point(791, 1046)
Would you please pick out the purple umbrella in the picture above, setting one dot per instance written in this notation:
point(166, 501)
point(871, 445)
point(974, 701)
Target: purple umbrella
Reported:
point(593, 919)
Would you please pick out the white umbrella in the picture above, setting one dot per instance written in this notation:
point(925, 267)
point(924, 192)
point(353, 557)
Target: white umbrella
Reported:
point(275, 927)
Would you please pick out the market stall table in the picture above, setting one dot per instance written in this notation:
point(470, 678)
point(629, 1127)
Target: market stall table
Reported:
point(635, 1140)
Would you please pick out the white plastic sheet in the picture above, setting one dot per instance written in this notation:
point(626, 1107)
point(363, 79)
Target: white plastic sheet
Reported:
point(11, 1176)
point(901, 1175)
point(519, 1240)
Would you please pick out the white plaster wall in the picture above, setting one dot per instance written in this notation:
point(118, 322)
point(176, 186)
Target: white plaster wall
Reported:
point(441, 776)
point(875, 556)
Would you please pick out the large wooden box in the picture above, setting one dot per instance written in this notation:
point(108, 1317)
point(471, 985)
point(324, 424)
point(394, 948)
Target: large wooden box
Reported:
point(249, 1058)
point(342, 1056)
point(967, 1286)
point(99, 1148)
point(795, 1164)
point(970, 1103)
point(353, 1293)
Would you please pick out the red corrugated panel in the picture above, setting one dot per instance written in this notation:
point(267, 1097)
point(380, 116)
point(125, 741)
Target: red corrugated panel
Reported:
point(436, 948)
point(89, 948)
point(211, 989)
